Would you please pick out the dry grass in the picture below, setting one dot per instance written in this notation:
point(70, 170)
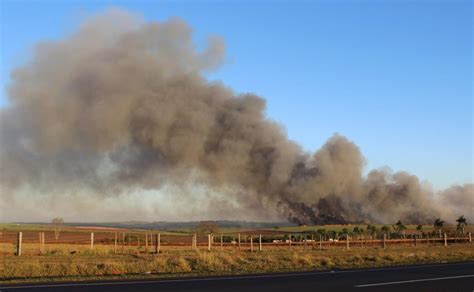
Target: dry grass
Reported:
point(59, 263)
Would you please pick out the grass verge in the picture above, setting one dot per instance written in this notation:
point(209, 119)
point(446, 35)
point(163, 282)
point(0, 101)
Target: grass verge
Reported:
point(178, 263)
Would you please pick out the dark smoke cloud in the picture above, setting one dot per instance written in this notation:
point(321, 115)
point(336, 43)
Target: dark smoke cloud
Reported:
point(117, 122)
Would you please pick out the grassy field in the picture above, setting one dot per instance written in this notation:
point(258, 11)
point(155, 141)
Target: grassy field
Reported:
point(71, 258)
point(101, 263)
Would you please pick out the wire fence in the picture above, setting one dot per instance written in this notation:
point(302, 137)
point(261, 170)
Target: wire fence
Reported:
point(43, 242)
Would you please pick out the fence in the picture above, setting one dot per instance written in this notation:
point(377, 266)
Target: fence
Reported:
point(35, 243)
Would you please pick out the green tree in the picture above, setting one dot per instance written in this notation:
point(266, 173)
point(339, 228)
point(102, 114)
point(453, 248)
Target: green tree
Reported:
point(462, 223)
point(438, 225)
point(332, 234)
point(385, 229)
point(399, 227)
point(419, 228)
point(371, 230)
point(321, 232)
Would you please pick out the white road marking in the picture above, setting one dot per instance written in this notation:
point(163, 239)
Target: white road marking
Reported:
point(77, 284)
point(413, 281)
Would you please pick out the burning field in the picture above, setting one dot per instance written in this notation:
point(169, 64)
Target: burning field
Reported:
point(118, 121)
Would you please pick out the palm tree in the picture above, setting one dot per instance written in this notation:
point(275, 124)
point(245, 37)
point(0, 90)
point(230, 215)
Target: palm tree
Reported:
point(332, 234)
point(356, 231)
point(399, 227)
point(462, 222)
point(371, 230)
point(438, 224)
point(385, 229)
point(321, 232)
point(420, 228)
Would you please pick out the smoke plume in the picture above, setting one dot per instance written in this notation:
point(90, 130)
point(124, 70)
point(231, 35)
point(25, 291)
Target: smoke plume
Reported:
point(117, 122)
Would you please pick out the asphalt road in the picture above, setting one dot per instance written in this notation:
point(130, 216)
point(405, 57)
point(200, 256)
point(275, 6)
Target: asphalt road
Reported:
point(437, 277)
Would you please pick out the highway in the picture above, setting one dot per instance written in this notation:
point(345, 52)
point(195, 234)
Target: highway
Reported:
point(433, 277)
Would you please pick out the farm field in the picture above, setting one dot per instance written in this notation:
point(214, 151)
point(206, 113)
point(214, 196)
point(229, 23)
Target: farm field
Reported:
point(114, 253)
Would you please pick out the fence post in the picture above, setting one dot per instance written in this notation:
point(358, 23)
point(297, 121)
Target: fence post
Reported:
point(19, 239)
point(41, 242)
point(445, 239)
point(222, 241)
point(238, 235)
point(92, 240)
point(347, 241)
point(260, 243)
point(383, 241)
point(320, 242)
point(115, 243)
point(159, 242)
point(146, 243)
point(414, 240)
point(251, 243)
point(305, 241)
point(123, 241)
point(209, 242)
point(289, 241)
point(470, 237)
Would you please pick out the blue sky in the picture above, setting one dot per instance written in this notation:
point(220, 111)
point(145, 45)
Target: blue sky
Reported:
point(393, 76)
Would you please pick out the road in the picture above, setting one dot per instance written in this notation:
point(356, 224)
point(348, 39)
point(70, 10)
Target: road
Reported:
point(435, 277)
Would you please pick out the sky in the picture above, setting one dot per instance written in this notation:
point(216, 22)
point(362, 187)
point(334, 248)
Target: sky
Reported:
point(395, 77)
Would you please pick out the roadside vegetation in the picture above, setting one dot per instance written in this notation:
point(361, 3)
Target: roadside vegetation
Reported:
point(59, 264)
point(68, 255)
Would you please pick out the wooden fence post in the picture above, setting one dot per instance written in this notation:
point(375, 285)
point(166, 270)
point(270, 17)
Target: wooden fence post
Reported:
point(260, 243)
point(39, 239)
point(222, 241)
point(115, 243)
point(92, 240)
point(19, 239)
point(383, 241)
point(470, 237)
point(209, 242)
point(41, 242)
point(347, 241)
point(320, 242)
point(123, 242)
point(159, 242)
point(251, 243)
point(289, 242)
point(238, 235)
point(305, 241)
point(445, 239)
point(146, 243)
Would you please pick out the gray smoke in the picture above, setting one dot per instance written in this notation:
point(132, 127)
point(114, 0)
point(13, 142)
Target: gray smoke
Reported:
point(117, 121)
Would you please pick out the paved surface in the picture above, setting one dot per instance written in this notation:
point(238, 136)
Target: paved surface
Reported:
point(437, 277)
